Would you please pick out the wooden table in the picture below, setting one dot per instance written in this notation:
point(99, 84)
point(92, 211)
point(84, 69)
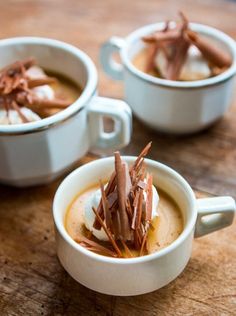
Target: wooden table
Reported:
point(32, 280)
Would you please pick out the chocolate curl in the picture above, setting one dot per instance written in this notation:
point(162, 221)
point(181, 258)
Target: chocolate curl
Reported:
point(105, 205)
point(135, 205)
point(149, 199)
point(153, 49)
point(32, 83)
point(95, 247)
point(184, 21)
point(109, 188)
point(109, 235)
point(128, 184)
point(122, 188)
point(143, 246)
point(17, 109)
point(161, 36)
point(17, 66)
point(34, 102)
point(179, 58)
point(143, 153)
point(6, 106)
point(180, 51)
point(151, 53)
point(5, 85)
point(112, 199)
point(128, 253)
point(129, 209)
point(212, 53)
point(139, 210)
point(116, 224)
point(137, 240)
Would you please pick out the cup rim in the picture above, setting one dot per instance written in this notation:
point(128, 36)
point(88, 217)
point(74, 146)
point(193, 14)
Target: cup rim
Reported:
point(149, 162)
point(202, 28)
point(75, 107)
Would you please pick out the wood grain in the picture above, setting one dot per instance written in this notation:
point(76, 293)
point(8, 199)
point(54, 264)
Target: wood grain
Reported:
point(32, 282)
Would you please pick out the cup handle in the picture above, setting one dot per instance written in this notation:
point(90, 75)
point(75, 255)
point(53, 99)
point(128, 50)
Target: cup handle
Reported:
point(213, 214)
point(120, 113)
point(110, 66)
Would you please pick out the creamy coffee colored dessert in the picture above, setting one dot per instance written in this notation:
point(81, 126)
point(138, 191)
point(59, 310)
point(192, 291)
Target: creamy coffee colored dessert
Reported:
point(178, 53)
point(29, 93)
point(125, 217)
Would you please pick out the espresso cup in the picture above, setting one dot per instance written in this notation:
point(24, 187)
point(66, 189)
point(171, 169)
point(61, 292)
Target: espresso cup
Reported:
point(38, 152)
point(133, 276)
point(178, 107)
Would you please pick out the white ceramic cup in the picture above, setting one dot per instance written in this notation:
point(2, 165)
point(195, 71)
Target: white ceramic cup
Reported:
point(171, 106)
point(143, 274)
point(38, 152)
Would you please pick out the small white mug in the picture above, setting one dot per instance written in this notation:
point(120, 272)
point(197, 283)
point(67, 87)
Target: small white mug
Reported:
point(139, 275)
point(178, 107)
point(37, 152)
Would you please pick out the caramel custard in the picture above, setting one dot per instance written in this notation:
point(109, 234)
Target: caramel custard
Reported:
point(166, 227)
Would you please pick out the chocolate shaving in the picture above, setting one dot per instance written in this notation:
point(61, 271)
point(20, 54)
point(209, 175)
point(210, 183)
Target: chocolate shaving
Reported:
point(128, 253)
point(139, 210)
point(151, 53)
point(18, 110)
point(109, 188)
point(95, 247)
point(35, 102)
point(109, 235)
point(143, 246)
point(18, 66)
point(149, 198)
point(122, 195)
point(163, 36)
point(105, 205)
point(143, 153)
point(124, 212)
point(212, 53)
point(32, 83)
point(135, 205)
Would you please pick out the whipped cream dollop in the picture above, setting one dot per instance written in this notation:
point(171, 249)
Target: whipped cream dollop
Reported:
point(93, 201)
point(42, 92)
point(14, 118)
point(194, 68)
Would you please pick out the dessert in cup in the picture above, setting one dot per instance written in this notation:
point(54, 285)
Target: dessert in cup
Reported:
point(50, 114)
point(178, 76)
point(178, 53)
point(28, 94)
point(125, 225)
point(127, 217)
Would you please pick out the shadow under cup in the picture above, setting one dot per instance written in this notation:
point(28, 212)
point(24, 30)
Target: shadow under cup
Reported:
point(130, 276)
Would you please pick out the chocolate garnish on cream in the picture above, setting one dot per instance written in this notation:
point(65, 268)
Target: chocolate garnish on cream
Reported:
point(26, 94)
point(179, 53)
point(121, 212)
